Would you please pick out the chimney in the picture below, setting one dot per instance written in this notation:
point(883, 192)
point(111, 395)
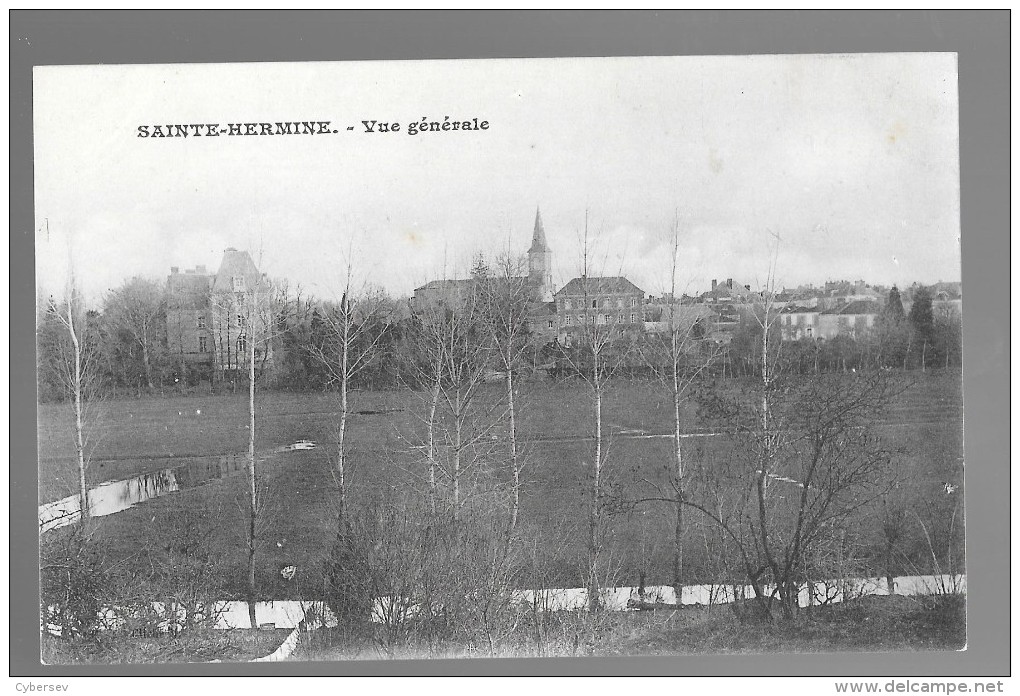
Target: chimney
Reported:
point(713, 284)
point(174, 270)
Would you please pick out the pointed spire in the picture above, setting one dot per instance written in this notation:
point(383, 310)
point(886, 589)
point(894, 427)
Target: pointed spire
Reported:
point(538, 242)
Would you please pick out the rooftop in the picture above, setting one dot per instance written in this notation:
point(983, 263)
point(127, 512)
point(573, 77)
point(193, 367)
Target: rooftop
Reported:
point(598, 285)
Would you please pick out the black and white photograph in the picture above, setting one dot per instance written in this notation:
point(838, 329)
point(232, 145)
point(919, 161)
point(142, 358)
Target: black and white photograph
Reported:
point(505, 358)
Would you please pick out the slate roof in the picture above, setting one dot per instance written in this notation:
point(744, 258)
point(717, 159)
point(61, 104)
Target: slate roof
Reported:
point(236, 264)
point(798, 309)
point(609, 285)
point(857, 307)
point(446, 284)
point(189, 290)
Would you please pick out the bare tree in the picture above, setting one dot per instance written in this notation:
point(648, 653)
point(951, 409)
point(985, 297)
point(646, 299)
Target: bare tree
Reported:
point(506, 298)
point(249, 311)
point(77, 357)
point(803, 469)
point(453, 355)
point(353, 333)
point(465, 362)
point(594, 356)
point(428, 329)
point(678, 357)
point(138, 308)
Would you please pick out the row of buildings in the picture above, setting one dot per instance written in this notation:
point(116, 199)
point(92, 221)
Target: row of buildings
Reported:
point(211, 316)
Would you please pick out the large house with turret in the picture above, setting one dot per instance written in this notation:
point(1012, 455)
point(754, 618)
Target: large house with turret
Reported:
point(211, 317)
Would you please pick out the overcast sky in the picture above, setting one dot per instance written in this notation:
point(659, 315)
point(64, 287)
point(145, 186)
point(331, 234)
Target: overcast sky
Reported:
point(850, 161)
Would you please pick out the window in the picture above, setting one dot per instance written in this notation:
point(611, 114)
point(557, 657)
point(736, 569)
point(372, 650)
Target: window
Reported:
point(633, 317)
point(594, 304)
point(570, 320)
point(241, 345)
point(201, 322)
point(549, 325)
point(633, 302)
point(622, 318)
point(620, 303)
point(240, 320)
point(203, 346)
point(789, 320)
point(238, 283)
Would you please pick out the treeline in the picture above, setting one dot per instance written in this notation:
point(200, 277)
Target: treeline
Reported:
point(129, 341)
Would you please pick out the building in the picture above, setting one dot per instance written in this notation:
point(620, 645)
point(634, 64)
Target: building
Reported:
point(211, 317)
point(729, 292)
point(798, 321)
point(188, 318)
point(853, 319)
point(455, 292)
point(540, 263)
point(611, 300)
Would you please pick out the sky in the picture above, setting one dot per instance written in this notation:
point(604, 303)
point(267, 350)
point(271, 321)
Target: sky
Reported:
point(826, 167)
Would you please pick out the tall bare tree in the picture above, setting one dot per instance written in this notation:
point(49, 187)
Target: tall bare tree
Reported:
point(678, 357)
point(249, 312)
point(353, 333)
point(506, 297)
point(428, 328)
point(596, 353)
point(77, 358)
point(453, 354)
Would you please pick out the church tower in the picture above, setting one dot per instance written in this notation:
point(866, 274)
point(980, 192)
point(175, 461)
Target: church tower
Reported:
point(540, 262)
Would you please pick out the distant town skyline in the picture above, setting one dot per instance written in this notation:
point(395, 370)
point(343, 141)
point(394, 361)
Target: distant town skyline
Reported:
point(851, 162)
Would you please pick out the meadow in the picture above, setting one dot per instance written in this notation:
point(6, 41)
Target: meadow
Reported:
point(923, 425)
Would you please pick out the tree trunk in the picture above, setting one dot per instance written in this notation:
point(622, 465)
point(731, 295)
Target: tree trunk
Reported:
point(433, 492)
point(145, 362)
point(678, 532)
point(79, 421)
point(457, 443)
point(341, 433)
point(890, 580)
point(253, 484)
point(594, 520)
point(515, 494)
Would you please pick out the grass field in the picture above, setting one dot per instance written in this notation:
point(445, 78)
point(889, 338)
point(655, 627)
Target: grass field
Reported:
point(134, 435)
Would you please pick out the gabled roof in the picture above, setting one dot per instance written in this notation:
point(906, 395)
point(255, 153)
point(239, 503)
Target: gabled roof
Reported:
point(595, 286)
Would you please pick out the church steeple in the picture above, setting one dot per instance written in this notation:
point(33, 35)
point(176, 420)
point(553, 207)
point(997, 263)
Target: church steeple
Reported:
point(540, 261)
point(538, 243)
